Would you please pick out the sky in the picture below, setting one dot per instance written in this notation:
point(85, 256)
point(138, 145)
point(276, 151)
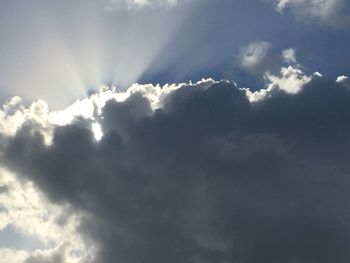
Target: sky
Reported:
point(60, 50)
point(180, 131)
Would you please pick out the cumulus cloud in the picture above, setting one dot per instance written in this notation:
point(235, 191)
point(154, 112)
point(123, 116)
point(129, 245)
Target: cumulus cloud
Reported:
point(328, 11)
point(291, 80)
point(197, 172)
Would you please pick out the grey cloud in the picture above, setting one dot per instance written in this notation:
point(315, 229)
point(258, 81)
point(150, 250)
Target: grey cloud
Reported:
point(52, 256)
point(257, 57)
point(289, 56)
point(54, 259)
point(208, 177)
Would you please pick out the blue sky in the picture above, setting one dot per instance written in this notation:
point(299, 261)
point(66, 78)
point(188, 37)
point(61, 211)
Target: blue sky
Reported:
point(57, 50)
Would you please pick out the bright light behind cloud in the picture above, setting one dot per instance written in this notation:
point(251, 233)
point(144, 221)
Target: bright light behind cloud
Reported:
point(28, 212)
point(98, 167)
point(57, 226)
point(14, 114)
point(97, 131)
point(81, 46)
point(291, 80)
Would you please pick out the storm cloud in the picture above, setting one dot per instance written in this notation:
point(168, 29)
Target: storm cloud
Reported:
point(200, 173)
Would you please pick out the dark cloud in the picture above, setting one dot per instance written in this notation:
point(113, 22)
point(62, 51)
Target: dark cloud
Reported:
point(208, 177)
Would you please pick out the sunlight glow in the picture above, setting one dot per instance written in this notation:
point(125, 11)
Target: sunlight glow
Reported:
point(64, 64)
point(97, 131)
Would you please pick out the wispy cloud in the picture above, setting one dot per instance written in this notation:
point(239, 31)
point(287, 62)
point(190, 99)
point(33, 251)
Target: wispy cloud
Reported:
point(328, 11)
point(119, 4)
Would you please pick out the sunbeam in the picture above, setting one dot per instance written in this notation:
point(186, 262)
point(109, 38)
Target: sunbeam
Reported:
point(81, 45)
point(176, 131)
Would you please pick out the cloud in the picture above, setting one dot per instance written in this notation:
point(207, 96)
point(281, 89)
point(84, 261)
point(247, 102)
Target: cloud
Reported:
point(254, 54)
point(260, 57)
point(50, 229)
point(117, 4)
point(198, 172)
point(344, 81)
point(327, 11)
point(54, 256)
point(291, 80)
point(289, 56)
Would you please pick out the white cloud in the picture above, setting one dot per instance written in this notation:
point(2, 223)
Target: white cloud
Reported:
point(344, 81)
point(150, 2)
point(342, 78)
point(289, 56)
point(253, 54)
point(13, 256)
point(328, 11)
point(318, 74)
point(291, 81)
point(117, 4)
point(14, 114)
point(25, 209)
